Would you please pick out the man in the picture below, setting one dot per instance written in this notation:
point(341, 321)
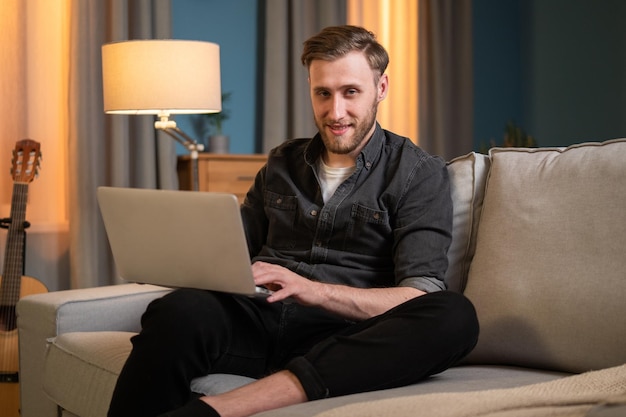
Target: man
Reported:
point(350, 229)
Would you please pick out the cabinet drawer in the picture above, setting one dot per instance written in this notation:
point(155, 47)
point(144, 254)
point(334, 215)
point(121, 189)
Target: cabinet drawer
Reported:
point(233, 176)
point(221, 172)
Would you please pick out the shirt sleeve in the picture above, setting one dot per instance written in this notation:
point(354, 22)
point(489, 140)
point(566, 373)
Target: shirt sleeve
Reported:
point(423, 228)
point(426, 284)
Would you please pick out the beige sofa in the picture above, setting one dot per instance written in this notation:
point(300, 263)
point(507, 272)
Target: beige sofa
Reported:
point(539, 246)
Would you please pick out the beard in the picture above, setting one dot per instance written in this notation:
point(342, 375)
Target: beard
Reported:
point(352, 140)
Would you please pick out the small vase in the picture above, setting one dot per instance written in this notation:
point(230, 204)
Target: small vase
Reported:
point(218, 144)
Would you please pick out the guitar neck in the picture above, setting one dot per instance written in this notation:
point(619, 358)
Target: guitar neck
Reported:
point(14, 251)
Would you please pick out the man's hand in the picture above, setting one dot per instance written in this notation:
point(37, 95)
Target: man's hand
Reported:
point(286, 284)
point(351, 303)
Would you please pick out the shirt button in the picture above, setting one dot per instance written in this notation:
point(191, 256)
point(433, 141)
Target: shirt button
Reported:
point(279, 200)
point(368, 164)
point(313, 213)
point(376, 216)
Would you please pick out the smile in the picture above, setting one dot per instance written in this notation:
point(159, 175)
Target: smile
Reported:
point(339, 130)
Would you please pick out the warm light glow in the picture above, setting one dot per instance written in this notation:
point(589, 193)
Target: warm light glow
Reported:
point(395, 25)
point(33, 103)
point(161, 77)
point(12, 88)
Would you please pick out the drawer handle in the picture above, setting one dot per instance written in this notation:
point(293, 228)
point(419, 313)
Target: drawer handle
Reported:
point(245, 178)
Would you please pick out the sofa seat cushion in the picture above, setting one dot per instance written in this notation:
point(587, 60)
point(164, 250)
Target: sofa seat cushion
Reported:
point(458, 380)
point(548, 275)
point(81, 369)
point(592, 394)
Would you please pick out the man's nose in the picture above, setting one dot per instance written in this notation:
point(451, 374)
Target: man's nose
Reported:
point(338, 108)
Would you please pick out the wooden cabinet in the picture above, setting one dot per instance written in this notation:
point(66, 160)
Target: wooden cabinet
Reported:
point(221, 172)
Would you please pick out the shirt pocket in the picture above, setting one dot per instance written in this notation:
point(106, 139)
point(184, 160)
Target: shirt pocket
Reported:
point(369, 231)
point(281, 211)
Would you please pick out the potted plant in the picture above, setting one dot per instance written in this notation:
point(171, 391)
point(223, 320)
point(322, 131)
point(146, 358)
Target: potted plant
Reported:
point(514, 137)
point(208, 128)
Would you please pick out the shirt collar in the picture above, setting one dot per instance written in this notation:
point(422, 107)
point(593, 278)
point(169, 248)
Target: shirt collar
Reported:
point(373, 149)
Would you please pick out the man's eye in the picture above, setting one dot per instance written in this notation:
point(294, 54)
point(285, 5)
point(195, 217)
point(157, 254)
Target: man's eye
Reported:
point(351, 92)
point(323, 93)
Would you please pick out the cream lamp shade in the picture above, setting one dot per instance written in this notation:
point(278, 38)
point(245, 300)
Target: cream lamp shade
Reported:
point(161, 77)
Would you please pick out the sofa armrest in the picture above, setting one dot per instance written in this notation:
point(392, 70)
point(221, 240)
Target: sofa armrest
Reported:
point(43, 316)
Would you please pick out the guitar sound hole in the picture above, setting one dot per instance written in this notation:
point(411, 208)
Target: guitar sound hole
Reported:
point(8, 319)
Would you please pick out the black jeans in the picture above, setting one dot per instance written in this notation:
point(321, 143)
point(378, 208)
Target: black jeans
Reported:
point(191, 333)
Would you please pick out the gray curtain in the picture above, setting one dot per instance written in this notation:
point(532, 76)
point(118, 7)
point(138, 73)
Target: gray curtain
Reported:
point(445, 77)
point(104, 149)
point(287, 110)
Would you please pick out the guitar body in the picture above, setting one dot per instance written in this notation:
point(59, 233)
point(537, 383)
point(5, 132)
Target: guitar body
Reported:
point(9, 358)
point(13, 285)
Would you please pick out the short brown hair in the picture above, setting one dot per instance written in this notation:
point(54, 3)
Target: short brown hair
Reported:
point(336, 41)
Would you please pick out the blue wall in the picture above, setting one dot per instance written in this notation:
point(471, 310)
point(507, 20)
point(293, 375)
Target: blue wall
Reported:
point(233, 26)
point(497, 33)
point(557, 68)
point(575, 67)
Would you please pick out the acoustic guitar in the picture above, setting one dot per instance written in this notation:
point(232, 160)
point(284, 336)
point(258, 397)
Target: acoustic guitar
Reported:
point(13, 285)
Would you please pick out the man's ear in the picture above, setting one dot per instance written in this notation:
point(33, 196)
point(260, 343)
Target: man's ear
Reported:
point(383, 87)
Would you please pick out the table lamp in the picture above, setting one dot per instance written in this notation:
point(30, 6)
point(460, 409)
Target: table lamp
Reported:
point(163, 78)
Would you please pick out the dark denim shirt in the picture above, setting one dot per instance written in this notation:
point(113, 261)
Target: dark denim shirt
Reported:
point(388, 224)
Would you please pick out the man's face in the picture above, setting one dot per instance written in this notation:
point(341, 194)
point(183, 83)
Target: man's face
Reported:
point(345, 97)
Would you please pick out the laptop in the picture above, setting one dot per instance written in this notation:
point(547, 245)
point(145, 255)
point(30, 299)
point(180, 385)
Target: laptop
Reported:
point(178, 239)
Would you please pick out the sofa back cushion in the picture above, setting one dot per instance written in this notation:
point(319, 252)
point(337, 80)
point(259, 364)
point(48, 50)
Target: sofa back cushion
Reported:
point(468, 175)
point(548, 278)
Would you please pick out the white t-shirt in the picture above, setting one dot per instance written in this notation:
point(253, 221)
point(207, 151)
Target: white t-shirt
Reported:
point(330, 178)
